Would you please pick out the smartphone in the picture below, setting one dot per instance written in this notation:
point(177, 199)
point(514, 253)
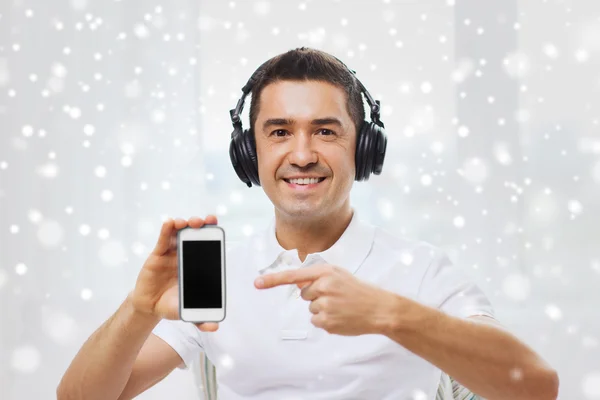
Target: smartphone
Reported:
point(201, 265)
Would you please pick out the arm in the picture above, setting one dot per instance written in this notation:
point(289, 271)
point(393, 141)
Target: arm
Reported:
point(476, 352)
point(120, 360)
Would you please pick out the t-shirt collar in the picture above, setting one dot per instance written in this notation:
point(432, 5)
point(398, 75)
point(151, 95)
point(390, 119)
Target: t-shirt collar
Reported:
point(348, 252)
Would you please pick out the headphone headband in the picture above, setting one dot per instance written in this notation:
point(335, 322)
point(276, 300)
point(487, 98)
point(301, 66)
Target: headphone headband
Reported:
point(374, 105)
point(237, 111)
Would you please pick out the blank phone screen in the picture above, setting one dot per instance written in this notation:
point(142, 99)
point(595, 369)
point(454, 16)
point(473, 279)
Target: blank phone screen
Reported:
point(202, 284)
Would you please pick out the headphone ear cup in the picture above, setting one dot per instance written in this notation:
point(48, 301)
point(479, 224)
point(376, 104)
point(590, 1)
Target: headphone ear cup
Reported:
point(250, 158)
point(236, 154)
point(371, 137)
point(379, 149)
point(361, 155)
point(358, 159)
point(370, 150)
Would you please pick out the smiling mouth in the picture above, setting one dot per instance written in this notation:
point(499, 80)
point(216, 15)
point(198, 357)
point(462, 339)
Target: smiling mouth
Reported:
point(305, 181)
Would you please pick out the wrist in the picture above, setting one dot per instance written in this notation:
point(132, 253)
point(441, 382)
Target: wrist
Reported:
point(390, 313)
point(140, 316)
point(402, 315)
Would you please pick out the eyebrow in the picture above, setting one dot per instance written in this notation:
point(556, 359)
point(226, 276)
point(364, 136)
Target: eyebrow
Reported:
point(287, 121)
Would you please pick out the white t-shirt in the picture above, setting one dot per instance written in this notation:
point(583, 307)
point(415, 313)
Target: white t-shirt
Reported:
point(267, 348)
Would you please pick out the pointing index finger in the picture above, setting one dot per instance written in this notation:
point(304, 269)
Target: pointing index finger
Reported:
point(305, 275)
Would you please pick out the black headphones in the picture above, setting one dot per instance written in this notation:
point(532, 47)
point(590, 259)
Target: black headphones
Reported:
point(371, 142)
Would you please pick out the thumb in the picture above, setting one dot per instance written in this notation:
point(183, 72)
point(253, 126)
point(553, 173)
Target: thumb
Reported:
point(173, 307)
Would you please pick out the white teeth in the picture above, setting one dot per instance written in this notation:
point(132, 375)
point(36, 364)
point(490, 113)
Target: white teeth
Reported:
point(304, 181)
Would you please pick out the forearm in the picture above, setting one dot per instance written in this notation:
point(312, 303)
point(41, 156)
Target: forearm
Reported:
point(102, 367)
point(489, 361)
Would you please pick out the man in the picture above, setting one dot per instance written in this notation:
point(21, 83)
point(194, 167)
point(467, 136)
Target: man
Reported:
point(321, 305)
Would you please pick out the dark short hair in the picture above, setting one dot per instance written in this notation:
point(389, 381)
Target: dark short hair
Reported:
point(304, 64)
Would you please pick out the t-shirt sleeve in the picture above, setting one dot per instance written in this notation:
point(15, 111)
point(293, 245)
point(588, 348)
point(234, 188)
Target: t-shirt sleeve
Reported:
point(447, 287)
point(184, 337)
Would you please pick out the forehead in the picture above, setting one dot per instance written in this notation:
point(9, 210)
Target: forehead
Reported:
point(302, 100)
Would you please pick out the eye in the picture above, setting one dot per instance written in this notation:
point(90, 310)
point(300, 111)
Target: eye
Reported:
point(326, 132)
point(279, 133)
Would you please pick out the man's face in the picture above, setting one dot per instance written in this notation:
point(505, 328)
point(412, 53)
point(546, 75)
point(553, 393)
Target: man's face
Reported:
point(303, 130)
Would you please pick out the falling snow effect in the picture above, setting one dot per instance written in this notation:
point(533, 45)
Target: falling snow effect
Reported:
point(493, 122)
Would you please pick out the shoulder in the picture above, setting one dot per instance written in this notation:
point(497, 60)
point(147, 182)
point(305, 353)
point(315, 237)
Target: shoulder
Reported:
point(427, 263)
point(404, 249)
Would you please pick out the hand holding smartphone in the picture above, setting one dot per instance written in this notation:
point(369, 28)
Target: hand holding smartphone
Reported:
point(157, 292)
point(201, 264)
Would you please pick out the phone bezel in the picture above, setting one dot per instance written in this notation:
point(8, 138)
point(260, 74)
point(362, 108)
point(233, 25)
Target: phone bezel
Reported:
point(198, 315)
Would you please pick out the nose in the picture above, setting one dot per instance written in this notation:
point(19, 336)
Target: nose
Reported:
point(302, 153)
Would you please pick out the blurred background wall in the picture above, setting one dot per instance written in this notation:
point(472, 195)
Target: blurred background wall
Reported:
point(115, 115)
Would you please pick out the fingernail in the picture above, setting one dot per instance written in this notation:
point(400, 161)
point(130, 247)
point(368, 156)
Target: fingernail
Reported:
point(259, 282)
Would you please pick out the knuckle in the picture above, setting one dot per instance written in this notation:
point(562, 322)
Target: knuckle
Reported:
point(326, 285)
point(316, 320)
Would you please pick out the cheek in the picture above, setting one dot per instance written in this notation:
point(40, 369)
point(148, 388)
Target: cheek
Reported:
point(268, 161)
point(348, 162)
point(342, 164)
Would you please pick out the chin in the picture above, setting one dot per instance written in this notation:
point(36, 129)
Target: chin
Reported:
point(303, 210)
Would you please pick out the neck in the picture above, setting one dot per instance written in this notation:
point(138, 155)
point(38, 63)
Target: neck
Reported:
point(312, 235)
